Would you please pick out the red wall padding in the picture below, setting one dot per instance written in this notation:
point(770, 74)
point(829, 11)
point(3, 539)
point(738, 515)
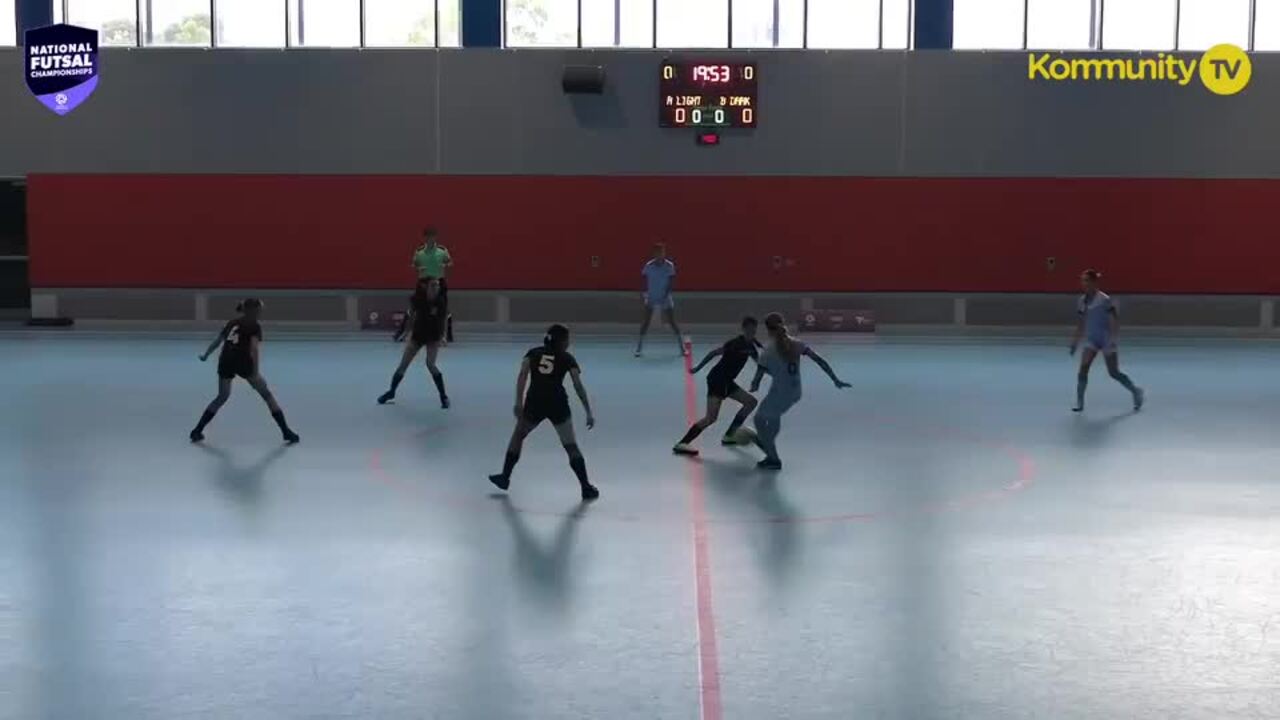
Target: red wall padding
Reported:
point(533, 232)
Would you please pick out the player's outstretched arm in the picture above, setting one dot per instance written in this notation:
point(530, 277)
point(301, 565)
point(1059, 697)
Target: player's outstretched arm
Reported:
point(522, 381)
point(217, 342)
point(826, 367)
point(755, 381)
point(710, 356)
point(579, 388)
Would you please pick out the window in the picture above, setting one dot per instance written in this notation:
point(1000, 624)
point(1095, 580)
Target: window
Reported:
point(988, 25)
point(844, 23)
point(630, 26)
point(399, 23)
point(8, 23)
point(176, 22)
point(1139, 24)
point(693, 23)
point(115, 20)
point(896, 24)
point(542, 23)
point(1061, 24)
point(754, 24)
point(1205, 23)
point(450, 22)
point(1266, 25)
point(250, 23)
point(324, 23)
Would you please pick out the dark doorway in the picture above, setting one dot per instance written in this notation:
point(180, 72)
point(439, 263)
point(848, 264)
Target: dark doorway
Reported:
point(15, 285)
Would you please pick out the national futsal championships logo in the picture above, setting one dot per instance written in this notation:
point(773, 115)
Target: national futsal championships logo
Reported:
point(1223, 69)
point(61, 65)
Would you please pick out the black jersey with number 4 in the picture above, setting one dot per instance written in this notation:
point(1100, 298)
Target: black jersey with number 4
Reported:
point(236, 336)
point(547, 369)
point(735, 356)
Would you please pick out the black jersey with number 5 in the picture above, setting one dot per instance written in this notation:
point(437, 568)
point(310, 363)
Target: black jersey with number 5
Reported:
point(547, 369)
point(236, 336)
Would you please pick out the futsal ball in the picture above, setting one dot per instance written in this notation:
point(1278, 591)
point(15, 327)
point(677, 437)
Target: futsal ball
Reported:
point(745, 436)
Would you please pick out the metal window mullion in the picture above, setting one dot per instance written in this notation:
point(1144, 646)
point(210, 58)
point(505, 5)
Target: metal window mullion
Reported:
point(363, 18)
point(435, 24)
point(911, 26)
point(302, 23)
point(1253, 24)
point(151, 23)
point(1101, 5)
point(654, 8)
point(288, 26)
point(804, 34)
point(1026, 22)
point(1177, 24)
point(579, 23)
point(213, 23)
point(137, 21)
point(777, 22)
point(880, 35)
point(729, 24)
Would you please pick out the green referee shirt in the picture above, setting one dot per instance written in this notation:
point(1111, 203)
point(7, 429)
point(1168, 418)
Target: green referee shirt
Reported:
point(431, 262)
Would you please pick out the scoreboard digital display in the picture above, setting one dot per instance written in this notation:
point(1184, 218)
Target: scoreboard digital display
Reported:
point(707, 95)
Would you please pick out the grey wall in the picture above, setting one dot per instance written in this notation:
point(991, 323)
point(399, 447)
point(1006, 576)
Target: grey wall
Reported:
point(821, 113)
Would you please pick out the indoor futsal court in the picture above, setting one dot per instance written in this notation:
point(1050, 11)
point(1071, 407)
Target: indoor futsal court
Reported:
point(947, 540)
point(639, 360)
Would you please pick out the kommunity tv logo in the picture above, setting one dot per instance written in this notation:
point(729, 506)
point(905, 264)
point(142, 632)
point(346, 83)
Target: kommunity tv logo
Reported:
point(1223, 69)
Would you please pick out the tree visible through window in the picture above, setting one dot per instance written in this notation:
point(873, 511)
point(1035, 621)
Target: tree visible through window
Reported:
point(115, 20)
point(545, 23)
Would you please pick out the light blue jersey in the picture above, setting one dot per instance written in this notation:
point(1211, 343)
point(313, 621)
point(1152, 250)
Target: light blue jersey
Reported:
point(785, 388)
point(1096, 313)
point(658, 276)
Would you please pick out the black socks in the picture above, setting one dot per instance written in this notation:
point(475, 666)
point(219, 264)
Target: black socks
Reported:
point(579, 466)
point(694, 431)
point(278, 416)
point(205, 419)
point(509, 463)
point(396, 378)
point(438, 378)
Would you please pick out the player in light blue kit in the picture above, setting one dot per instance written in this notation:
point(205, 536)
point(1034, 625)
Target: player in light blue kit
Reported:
point(1099, 326)
point(659, 280)
point(782, 361)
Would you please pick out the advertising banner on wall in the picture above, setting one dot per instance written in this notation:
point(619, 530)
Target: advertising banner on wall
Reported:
point(61, 65)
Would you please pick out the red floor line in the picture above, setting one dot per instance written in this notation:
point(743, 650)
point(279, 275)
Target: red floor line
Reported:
point(708, 655)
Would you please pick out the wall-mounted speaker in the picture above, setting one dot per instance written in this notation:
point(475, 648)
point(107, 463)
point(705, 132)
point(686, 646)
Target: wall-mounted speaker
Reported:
point(583, 79)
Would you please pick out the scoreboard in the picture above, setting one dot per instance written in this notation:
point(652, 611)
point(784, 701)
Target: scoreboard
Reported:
point(707, 95)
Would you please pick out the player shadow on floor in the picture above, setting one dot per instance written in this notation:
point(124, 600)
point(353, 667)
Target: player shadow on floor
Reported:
point(543, 569)
point(771, 520)
point(242, 483)
point(1090, 433)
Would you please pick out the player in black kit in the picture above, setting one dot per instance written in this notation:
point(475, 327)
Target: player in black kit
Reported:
point(240, 339)
point(543, 370)
point(427, 318)
point(721, 384)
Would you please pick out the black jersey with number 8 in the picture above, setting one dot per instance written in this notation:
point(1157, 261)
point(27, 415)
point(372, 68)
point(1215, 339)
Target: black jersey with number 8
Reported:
point(547, 369)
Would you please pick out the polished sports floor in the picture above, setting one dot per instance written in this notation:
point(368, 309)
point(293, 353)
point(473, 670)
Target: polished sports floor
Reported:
point(946, 540)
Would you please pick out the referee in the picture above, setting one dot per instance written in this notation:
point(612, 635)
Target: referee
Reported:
point(432, 260)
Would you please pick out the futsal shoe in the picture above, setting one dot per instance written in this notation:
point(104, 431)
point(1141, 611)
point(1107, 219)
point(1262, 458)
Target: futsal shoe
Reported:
point(196, 436)
point(1139, 398)
point(386, 397)
point(770, 464)
point(744, 436)
point(291, 437)
point(685, 449)
point(502, 482)
point(589, 492)
point(444, 402)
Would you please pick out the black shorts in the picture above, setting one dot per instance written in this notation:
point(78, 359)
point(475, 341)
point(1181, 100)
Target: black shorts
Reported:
point(230, 367)
point(721, 387)
point(427, 333)
point(556, 410)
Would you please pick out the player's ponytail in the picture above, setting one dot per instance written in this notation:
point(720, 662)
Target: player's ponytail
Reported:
point(557, 335)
